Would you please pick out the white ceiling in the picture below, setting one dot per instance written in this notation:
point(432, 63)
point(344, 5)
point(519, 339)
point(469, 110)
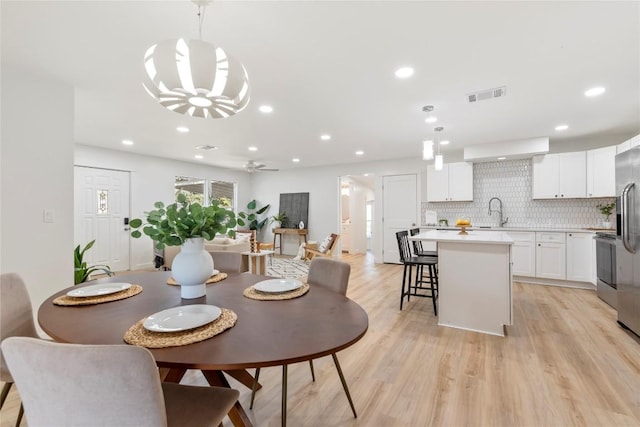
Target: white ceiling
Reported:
point(328, 67)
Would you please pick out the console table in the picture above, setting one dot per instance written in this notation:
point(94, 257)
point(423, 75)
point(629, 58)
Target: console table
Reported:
point(278, 232)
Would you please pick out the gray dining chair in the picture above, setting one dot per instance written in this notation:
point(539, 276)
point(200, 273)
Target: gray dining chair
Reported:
point(229, 262)
point(106, 385)
point(333, 275)
point(16, 318)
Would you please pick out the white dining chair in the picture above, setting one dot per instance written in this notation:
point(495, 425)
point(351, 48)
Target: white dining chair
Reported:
point(106, 385)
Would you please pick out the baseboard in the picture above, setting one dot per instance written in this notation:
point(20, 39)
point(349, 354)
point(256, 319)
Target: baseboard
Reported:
point(553, 282)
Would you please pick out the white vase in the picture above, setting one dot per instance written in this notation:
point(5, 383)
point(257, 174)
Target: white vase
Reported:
point(192, 267)
point(275, 224)
point(606, 224)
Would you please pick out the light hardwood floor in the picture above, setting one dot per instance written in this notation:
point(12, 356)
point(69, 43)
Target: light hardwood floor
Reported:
point(565, 362)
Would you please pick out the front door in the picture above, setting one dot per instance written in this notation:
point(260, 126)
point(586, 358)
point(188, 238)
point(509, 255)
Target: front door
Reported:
point(400, 207)
point(101, 201)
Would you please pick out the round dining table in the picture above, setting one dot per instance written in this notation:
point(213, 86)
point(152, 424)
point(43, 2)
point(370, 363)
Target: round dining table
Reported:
point(267, 333)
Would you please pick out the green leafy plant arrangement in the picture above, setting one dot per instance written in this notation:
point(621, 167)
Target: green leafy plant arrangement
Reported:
point(82, 271)
point(606, 209)
point(281, 218)
point(252, 218)
point(174, 224)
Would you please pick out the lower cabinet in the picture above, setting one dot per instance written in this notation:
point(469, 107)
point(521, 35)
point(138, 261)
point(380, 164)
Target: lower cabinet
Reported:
point(523, 253)
point(551, 256)
point(580, 257)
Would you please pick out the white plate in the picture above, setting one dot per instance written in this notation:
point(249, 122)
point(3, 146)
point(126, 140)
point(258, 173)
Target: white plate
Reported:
point(182, 318)
point(276, 286)
point(97, 290)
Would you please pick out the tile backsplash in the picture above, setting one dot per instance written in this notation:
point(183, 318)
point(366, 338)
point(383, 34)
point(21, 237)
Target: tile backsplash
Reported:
point(511, 180)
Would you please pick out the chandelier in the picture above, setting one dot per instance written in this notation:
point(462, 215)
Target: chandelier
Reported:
point(195, 77)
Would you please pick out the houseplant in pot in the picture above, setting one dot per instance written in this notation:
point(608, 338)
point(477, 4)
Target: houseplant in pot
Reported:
point(606, 210)
point(186, 224)
point(278, 220)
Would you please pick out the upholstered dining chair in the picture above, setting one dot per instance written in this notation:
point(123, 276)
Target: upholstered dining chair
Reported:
point(16, 319)
point(229, 261)
point(106, 385)
point(420, 262)
point(333, 275)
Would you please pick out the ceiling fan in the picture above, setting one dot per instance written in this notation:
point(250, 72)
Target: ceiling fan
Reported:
point(252, 166)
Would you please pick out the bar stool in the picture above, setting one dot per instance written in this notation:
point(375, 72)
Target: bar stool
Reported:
point(417, 288)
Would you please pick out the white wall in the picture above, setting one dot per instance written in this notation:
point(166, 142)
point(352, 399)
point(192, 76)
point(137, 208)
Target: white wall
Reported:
point(323, 186)
point(152, 180)
point(36, 174)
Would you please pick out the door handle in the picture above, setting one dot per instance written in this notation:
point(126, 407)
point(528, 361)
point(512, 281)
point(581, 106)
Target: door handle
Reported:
point(625, 218)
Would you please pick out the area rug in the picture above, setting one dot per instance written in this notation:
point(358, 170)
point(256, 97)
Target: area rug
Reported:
point(287, 268)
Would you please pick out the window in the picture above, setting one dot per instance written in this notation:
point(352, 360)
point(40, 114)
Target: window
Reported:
point(193, 188)
point(223, 191)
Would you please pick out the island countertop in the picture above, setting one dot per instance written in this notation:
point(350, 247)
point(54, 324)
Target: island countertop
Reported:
point(484, 236)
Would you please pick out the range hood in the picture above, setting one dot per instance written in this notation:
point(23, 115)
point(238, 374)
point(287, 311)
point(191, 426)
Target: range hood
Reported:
point(518, 149)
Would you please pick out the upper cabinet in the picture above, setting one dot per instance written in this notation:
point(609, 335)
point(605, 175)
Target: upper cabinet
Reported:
point(560, 176)
point(453, 183)
point(628, 144)
point(601, 172)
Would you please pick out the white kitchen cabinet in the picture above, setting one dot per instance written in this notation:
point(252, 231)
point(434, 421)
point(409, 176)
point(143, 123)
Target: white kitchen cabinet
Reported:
point(580, 257)
point(601, 172)
point(628, 144)
point(559, 176)
point(453, 183)
point(523, 253)
point(551, 255)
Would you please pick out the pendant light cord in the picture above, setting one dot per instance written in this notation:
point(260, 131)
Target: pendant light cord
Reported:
point(201, 10)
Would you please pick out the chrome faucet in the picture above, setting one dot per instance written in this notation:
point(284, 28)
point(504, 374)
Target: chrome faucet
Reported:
point(502, 223)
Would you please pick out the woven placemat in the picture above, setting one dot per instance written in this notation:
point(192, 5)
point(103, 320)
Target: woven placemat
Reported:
point(213, 279)
point(138, 335)
point(250, 292)
point(127, 293)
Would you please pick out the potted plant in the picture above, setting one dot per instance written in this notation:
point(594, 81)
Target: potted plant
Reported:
point(186, 224)
point(82, 271)
point(278, 220)
point(606, 210)
point(252, 218)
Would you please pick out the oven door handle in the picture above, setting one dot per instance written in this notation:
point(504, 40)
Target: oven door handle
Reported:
point(624, 200)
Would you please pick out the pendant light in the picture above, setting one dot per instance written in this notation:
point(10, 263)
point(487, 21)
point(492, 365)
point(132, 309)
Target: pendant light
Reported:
point(195, 77)
point(427, 150)
point(439, 159)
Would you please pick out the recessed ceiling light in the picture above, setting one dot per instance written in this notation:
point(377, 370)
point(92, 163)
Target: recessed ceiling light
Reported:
point(404, 72)
point(562, 127)
point(295, 160)
point(252, 148)
point(501, 158)
point(325, 137)
point(366, 174)
point(199, 156)
point(431, 119)
point(127, 142)
point(445, 142)
point(266, 108)
point(182, 129)
point(595, 91)
point(359, 153)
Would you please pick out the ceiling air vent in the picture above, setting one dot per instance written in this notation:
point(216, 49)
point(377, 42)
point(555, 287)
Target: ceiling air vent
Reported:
point(483, 95)
point(206, 147)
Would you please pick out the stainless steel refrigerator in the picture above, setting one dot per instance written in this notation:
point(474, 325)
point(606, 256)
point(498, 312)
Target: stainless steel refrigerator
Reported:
point(628, 239)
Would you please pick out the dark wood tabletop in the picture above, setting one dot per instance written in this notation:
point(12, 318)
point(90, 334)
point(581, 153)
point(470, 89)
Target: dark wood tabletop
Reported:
point(267, 333)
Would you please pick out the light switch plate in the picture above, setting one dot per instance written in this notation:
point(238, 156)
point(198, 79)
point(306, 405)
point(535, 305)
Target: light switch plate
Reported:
point(49, 215)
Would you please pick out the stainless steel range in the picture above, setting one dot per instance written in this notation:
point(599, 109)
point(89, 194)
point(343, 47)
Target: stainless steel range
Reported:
point(606, 268)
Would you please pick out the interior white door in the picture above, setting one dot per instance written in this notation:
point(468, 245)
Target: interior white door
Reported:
point(101, 200)
point(400, 210)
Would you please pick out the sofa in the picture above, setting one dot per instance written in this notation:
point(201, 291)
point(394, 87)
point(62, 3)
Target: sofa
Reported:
point(218, 244)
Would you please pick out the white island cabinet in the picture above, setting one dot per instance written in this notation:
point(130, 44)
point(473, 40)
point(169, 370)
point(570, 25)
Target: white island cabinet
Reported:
point(474, 279)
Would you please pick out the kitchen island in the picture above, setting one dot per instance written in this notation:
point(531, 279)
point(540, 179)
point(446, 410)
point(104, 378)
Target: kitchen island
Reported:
point(474, 279)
